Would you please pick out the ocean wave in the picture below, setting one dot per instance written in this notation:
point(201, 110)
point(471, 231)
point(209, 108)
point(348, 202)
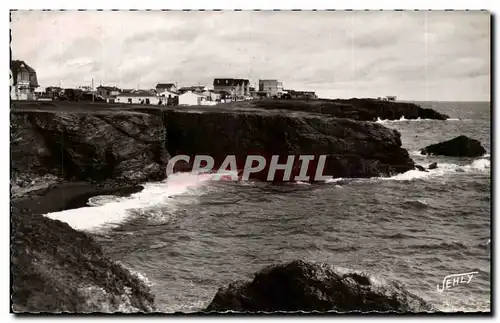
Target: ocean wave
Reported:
point(417, 153)
point(481, 165)
point(136, 274)
point(478, 165)
point(403, 119)
point(457, 119)
point(107, 212)
point(418, 204)
point(103, 199)
point(336, 180)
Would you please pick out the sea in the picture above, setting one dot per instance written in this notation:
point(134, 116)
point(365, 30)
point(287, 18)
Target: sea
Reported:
point(190, 235)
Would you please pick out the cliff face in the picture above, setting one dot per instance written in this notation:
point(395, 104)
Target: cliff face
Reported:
point(353, 148)
point(131, 146)
point(118, 146)
point(58, 269)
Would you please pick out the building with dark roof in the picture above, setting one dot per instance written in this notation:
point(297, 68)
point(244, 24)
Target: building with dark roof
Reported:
point(194, 89)
point(237, 88)
point(106, 91)
point(162, 87)
point(23, 81)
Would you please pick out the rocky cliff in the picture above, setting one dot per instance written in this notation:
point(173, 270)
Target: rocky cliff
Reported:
point(131, 146)
point(353, 148)
point(58, 269)
point(114, 146)
point(58, 160)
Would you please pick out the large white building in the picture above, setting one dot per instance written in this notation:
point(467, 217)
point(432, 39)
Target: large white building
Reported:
point(140, 97)
point(190, 98)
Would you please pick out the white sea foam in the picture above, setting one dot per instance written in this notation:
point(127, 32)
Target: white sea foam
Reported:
point(478, 165)
point(481, 165)
point(109, 211)
point(416, 153)
point(403, 119)
point(137, 274)
point(335, 180)
point(457, 119)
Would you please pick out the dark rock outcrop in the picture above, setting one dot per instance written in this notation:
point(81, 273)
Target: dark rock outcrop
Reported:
point(303, 286)
point(353, 148)
point(460, 146)
point(433, 165)
point(420, 168)
point(356, 109)
point(58, 269)
point(116, 146)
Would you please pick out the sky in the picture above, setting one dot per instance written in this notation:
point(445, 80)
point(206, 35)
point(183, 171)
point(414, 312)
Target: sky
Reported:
point(414, 55)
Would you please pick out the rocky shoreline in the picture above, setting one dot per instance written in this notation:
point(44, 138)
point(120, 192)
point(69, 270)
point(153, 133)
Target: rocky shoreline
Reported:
point(64, 153)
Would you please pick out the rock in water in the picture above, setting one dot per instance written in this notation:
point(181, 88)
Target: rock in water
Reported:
point(303, 286)
point(420, 168)
point(433, 165)
point(460, 146)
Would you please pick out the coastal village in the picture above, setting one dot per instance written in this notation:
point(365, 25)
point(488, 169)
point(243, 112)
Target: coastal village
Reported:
point(25, 86)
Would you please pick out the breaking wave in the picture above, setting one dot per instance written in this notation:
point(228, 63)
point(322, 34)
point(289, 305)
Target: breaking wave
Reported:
point(403, 119)
point(478, 165)
point(397, 120)
point(109, 211)
point(481, 165)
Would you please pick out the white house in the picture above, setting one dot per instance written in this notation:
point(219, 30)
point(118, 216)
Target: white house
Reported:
point(167, 94)
point(140, 97)
point(190, 98)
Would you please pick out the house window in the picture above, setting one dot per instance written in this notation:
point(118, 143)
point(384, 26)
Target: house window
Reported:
point(130, 100)
point(147, 101)
point(24, 76)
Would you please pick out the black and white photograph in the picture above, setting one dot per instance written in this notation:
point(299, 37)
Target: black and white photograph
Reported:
point(250, 162)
